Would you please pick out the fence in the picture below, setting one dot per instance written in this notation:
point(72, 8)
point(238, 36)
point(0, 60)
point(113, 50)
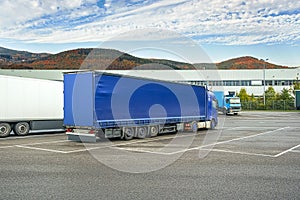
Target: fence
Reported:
point(270, 105)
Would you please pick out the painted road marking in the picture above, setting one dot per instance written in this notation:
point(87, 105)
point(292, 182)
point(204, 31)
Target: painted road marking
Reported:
point(119, 145)
point(215, 150)
point(40, 149)
point(5, 147)
point(242, 153)
point(50, 142)
point(227, 141)
point(13, 137)
point(141, 151)
point(226, 128)
point(133, 142)
point(222, 142)
point(28, 145)
point(286, 151)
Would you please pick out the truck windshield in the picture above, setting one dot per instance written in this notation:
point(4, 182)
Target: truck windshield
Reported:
point(235, 100)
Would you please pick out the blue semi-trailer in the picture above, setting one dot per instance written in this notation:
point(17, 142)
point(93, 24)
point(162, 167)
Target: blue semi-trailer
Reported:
point(100, 104)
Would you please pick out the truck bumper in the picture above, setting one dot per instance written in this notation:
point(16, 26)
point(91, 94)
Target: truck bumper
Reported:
point(81, 137)
point(234, 110)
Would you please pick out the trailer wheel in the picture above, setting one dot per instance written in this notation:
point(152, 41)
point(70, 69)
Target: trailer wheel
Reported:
point(5, 129)
point(141, 132)
point(153, 131)
point(128, 133)
point(21, 128)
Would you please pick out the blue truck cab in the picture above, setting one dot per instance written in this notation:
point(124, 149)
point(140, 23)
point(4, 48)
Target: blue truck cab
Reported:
point(228, 104)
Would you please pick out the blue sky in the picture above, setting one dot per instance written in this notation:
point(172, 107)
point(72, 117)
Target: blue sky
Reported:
point(157, 28)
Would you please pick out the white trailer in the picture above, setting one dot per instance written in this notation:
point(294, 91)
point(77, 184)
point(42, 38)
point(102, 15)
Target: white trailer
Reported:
point(30, 104)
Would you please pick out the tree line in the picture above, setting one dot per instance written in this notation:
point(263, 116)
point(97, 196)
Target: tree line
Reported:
point(284, 100)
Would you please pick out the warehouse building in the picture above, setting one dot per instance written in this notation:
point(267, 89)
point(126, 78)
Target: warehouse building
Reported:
point(226, 80)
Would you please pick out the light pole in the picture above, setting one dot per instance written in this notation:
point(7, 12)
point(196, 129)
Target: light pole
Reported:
point(264, 78)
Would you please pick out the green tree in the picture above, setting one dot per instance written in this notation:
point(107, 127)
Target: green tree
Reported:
point(270, 94)
point(252, 97)
point(286, 99)
point(243, 95)
point(285, 95)
point(296, 86)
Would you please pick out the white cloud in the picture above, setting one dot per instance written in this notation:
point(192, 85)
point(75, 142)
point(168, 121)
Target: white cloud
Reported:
point(210, 21)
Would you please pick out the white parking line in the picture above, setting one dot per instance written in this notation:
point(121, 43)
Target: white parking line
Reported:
point(119, 145)
point(227, 141)
point(21, 145)
point(242, 153)
point(203, 147)
point(286, 151)
point(5, 147)
point(128, 143)
point(249, 136)
point(29, 145)
point(40, 149)
point(142, 151)
point(50, 142)
point(13, 137)
point(172, 153)
point(251, 127)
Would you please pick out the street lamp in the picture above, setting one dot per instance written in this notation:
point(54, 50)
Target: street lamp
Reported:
point(264, 78)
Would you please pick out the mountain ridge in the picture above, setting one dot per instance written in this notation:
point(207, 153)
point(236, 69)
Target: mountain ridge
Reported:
point(110, 59)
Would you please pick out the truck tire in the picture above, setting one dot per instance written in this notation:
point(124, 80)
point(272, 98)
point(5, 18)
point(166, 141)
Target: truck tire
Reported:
point(153, 131)
point(141, 132)
point(128, 133)
point(21, 128)
point(5, 129)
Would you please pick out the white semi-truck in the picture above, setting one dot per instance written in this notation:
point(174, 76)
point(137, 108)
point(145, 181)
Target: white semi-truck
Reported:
point(28, 104)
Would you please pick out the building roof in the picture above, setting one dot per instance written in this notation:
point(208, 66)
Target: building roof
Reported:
point(175, 75)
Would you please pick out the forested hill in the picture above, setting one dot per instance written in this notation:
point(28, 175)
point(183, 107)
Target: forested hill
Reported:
point(89, 58)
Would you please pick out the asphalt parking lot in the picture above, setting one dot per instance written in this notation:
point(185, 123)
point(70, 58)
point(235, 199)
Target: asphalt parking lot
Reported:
point(255, 155)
